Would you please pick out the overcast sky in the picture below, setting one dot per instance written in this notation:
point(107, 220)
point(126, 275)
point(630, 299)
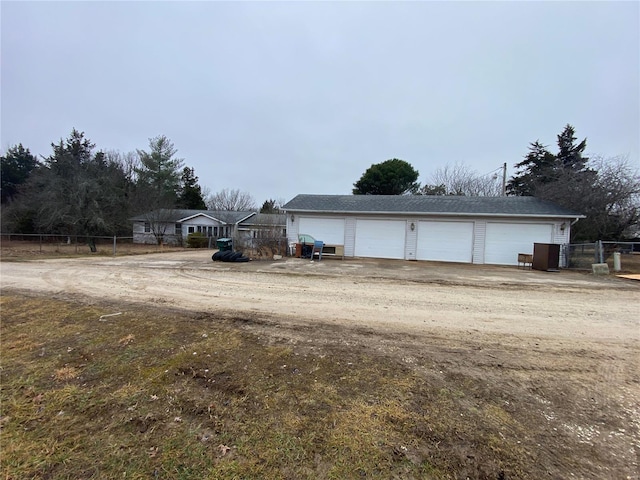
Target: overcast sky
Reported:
point(281, 98)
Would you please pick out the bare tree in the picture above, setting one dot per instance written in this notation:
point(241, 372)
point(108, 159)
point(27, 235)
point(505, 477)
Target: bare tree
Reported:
point(608, 193)
point(459, 179)
point(160, 223)
point(231, 201)
point(129, 162)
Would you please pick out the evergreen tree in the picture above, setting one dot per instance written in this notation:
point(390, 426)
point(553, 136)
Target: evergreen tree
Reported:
point(538, 167)
point(606, 192)
point(77, 192)
point(159, 173)
point(190, 196)
point(15, 167)
point(391, 177)
point(569, 154)
point(270, 206)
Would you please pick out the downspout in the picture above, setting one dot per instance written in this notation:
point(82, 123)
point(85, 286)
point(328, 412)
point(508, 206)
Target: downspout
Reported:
point(567, 250)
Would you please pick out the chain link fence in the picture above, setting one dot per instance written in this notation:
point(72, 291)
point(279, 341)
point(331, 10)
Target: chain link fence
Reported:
point(20, 244)
point(17, 244)
point(582, 255)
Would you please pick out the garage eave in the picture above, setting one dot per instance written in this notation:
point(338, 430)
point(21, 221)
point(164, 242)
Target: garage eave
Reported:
point(435, 214)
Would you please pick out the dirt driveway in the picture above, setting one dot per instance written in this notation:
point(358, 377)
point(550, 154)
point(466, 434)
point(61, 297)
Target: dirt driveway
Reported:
point(559, 352)
point(379, 294)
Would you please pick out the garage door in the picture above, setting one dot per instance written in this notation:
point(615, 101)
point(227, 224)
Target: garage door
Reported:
point(504, 241)
point(445, 241)
point(329, 230)
point(380, 238)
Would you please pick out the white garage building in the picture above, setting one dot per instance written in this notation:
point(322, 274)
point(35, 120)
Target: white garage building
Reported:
point(479, 230)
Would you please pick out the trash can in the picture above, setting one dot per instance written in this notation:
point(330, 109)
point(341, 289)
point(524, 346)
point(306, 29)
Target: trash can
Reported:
point(224, 244)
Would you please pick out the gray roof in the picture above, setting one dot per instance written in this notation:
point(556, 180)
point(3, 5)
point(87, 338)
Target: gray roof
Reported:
point(181, 215)
point(428, 204)
point(266, 219)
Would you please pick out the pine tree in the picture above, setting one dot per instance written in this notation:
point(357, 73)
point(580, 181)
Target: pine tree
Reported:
point(15, 167)
point(190, 196)
point(159, 173)
point(538, 167)
point(569, 154)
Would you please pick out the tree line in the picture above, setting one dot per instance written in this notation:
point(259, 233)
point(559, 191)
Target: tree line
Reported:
point(607, 191)
point(78, 190)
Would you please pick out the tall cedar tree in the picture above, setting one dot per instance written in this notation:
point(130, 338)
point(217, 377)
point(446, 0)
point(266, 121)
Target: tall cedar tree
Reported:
point(190, 195)
point(607, 194)
point(77, 192)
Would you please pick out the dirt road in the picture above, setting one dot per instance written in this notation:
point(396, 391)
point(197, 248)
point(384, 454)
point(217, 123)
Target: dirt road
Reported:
point(375, 294)
point(556, 354)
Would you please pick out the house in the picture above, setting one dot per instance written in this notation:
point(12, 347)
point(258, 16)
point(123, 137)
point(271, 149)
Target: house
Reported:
point(492, 230)
point(263, 225)
point(172, 226)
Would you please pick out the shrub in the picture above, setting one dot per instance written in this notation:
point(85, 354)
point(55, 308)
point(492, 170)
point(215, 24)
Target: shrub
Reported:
point(197, 240)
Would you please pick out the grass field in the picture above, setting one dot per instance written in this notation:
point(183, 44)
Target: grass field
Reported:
point(165, 394)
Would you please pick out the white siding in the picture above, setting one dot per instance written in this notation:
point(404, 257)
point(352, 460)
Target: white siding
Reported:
point(479, 238)
point(412, 239)
point(349, 236)
point(292, 229)
point(561, 237)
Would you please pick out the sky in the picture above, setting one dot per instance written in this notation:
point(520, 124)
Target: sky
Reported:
point(281, 98)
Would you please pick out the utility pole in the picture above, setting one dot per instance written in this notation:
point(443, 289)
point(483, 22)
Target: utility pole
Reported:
point(504, 179)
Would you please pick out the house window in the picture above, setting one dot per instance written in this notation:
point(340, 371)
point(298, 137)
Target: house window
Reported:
point(178, 230)
point(215, 231)
point(209, 231)
point(191, 229)
point(147, 227)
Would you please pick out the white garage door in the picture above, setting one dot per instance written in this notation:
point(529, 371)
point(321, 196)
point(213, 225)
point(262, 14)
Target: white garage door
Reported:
point(445, 241)
point(504, 241)
point(380, 238)
point(328, 230)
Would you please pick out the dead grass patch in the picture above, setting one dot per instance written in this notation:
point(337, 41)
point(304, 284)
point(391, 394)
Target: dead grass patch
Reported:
point(156, 393)
point(66, 373)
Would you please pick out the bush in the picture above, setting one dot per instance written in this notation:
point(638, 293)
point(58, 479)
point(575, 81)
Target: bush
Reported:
point(197, 240)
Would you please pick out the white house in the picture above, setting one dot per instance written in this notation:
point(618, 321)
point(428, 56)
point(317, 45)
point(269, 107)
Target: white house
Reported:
point(263, 225)
point(172, 226)
point(492, 230)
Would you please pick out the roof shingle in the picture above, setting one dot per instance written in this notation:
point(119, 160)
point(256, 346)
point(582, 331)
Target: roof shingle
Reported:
point(427, 204)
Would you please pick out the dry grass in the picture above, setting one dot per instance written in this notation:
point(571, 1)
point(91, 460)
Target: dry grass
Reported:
point(17, 250)
point(175, 395)
point(151, 394)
